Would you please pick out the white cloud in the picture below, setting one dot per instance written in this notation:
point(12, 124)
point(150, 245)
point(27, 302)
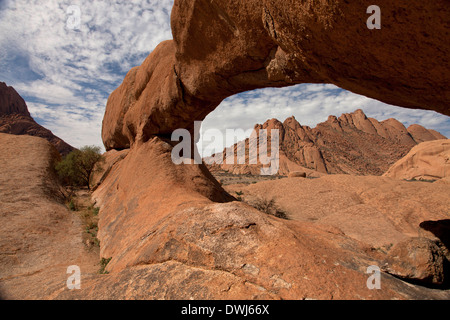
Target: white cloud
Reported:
point(76, 68)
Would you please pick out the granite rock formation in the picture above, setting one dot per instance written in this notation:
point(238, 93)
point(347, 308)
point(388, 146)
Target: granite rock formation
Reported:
point(427, 161)
point(350, 144)
point(224, 47)
point(161, 223)
point(39, 237)
point(16, 119)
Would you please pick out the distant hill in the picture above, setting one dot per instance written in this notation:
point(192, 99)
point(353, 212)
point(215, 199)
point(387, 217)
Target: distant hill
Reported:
point(351, 144)
point(16, 119)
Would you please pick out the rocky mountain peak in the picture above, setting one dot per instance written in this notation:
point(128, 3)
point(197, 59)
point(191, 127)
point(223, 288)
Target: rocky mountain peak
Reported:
point(16, 119)
point(11, 102)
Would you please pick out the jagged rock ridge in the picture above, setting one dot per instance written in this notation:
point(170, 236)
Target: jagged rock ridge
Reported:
point(16, 119)
point(350, 144)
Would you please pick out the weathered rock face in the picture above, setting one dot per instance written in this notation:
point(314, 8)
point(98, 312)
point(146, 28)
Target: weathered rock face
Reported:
point(420, 134)
point(417, 259)
point(350, 144)
point(39, 237)
point(16, 119)
point(171, 238)
point(378, 211)
point(427, 161)
point(11, 102)
point(224, 47)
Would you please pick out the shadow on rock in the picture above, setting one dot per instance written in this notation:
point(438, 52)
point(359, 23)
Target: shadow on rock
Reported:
point(440, 228)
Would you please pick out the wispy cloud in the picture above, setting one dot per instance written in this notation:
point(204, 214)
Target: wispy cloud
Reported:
point(58, 69)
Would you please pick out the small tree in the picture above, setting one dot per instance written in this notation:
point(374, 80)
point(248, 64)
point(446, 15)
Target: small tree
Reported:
point(78, 166)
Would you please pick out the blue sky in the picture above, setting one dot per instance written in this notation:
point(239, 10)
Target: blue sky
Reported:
point(66, 75)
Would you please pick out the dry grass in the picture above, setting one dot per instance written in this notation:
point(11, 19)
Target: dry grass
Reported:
point(269, 206)
point(80, 203)
point(226, 178)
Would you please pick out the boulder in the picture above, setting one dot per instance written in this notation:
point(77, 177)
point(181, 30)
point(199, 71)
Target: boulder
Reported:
point(417, 259)
point(297, 174)
point(427, 161)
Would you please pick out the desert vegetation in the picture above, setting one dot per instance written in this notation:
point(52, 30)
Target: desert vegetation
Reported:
point(76, 169)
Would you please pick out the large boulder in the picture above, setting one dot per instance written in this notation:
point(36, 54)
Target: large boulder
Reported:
point(427, 161)
point(417, 259)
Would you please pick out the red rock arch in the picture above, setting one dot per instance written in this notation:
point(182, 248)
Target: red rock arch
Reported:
point(224, 47)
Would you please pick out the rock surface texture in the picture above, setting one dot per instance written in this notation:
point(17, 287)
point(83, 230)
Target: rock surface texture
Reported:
point(39, 237)
point(350, 144)
point(16, 119)
point(417, 259)
point(172, 232)
point(427, 161)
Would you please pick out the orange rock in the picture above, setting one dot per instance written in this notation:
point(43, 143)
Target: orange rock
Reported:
point(297, 174)
point(16, 119)
point(351, 144)
point(420, 134)
point(417, 259)
point(170, 238)
point(39, 237)
point(11, 102)
point(260, 44)
point(427, 161)
point(168, 227)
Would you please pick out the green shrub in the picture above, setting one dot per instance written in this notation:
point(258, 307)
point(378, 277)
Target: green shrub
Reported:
point(103, 263)
point(78, 166)
point(72, 206)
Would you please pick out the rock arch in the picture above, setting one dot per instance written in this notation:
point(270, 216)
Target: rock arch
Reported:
point(224, 47)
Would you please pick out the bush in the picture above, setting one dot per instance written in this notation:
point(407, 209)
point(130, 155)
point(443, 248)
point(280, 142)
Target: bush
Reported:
point(269, 207)
point(78, 166)
point(72, 206)
point(103, 263)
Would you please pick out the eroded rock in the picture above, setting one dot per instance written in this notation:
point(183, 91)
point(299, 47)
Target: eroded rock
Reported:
point(427, 161)
point(225, 47)
point(16, 119)
point(417, 259)
point(350, 144)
